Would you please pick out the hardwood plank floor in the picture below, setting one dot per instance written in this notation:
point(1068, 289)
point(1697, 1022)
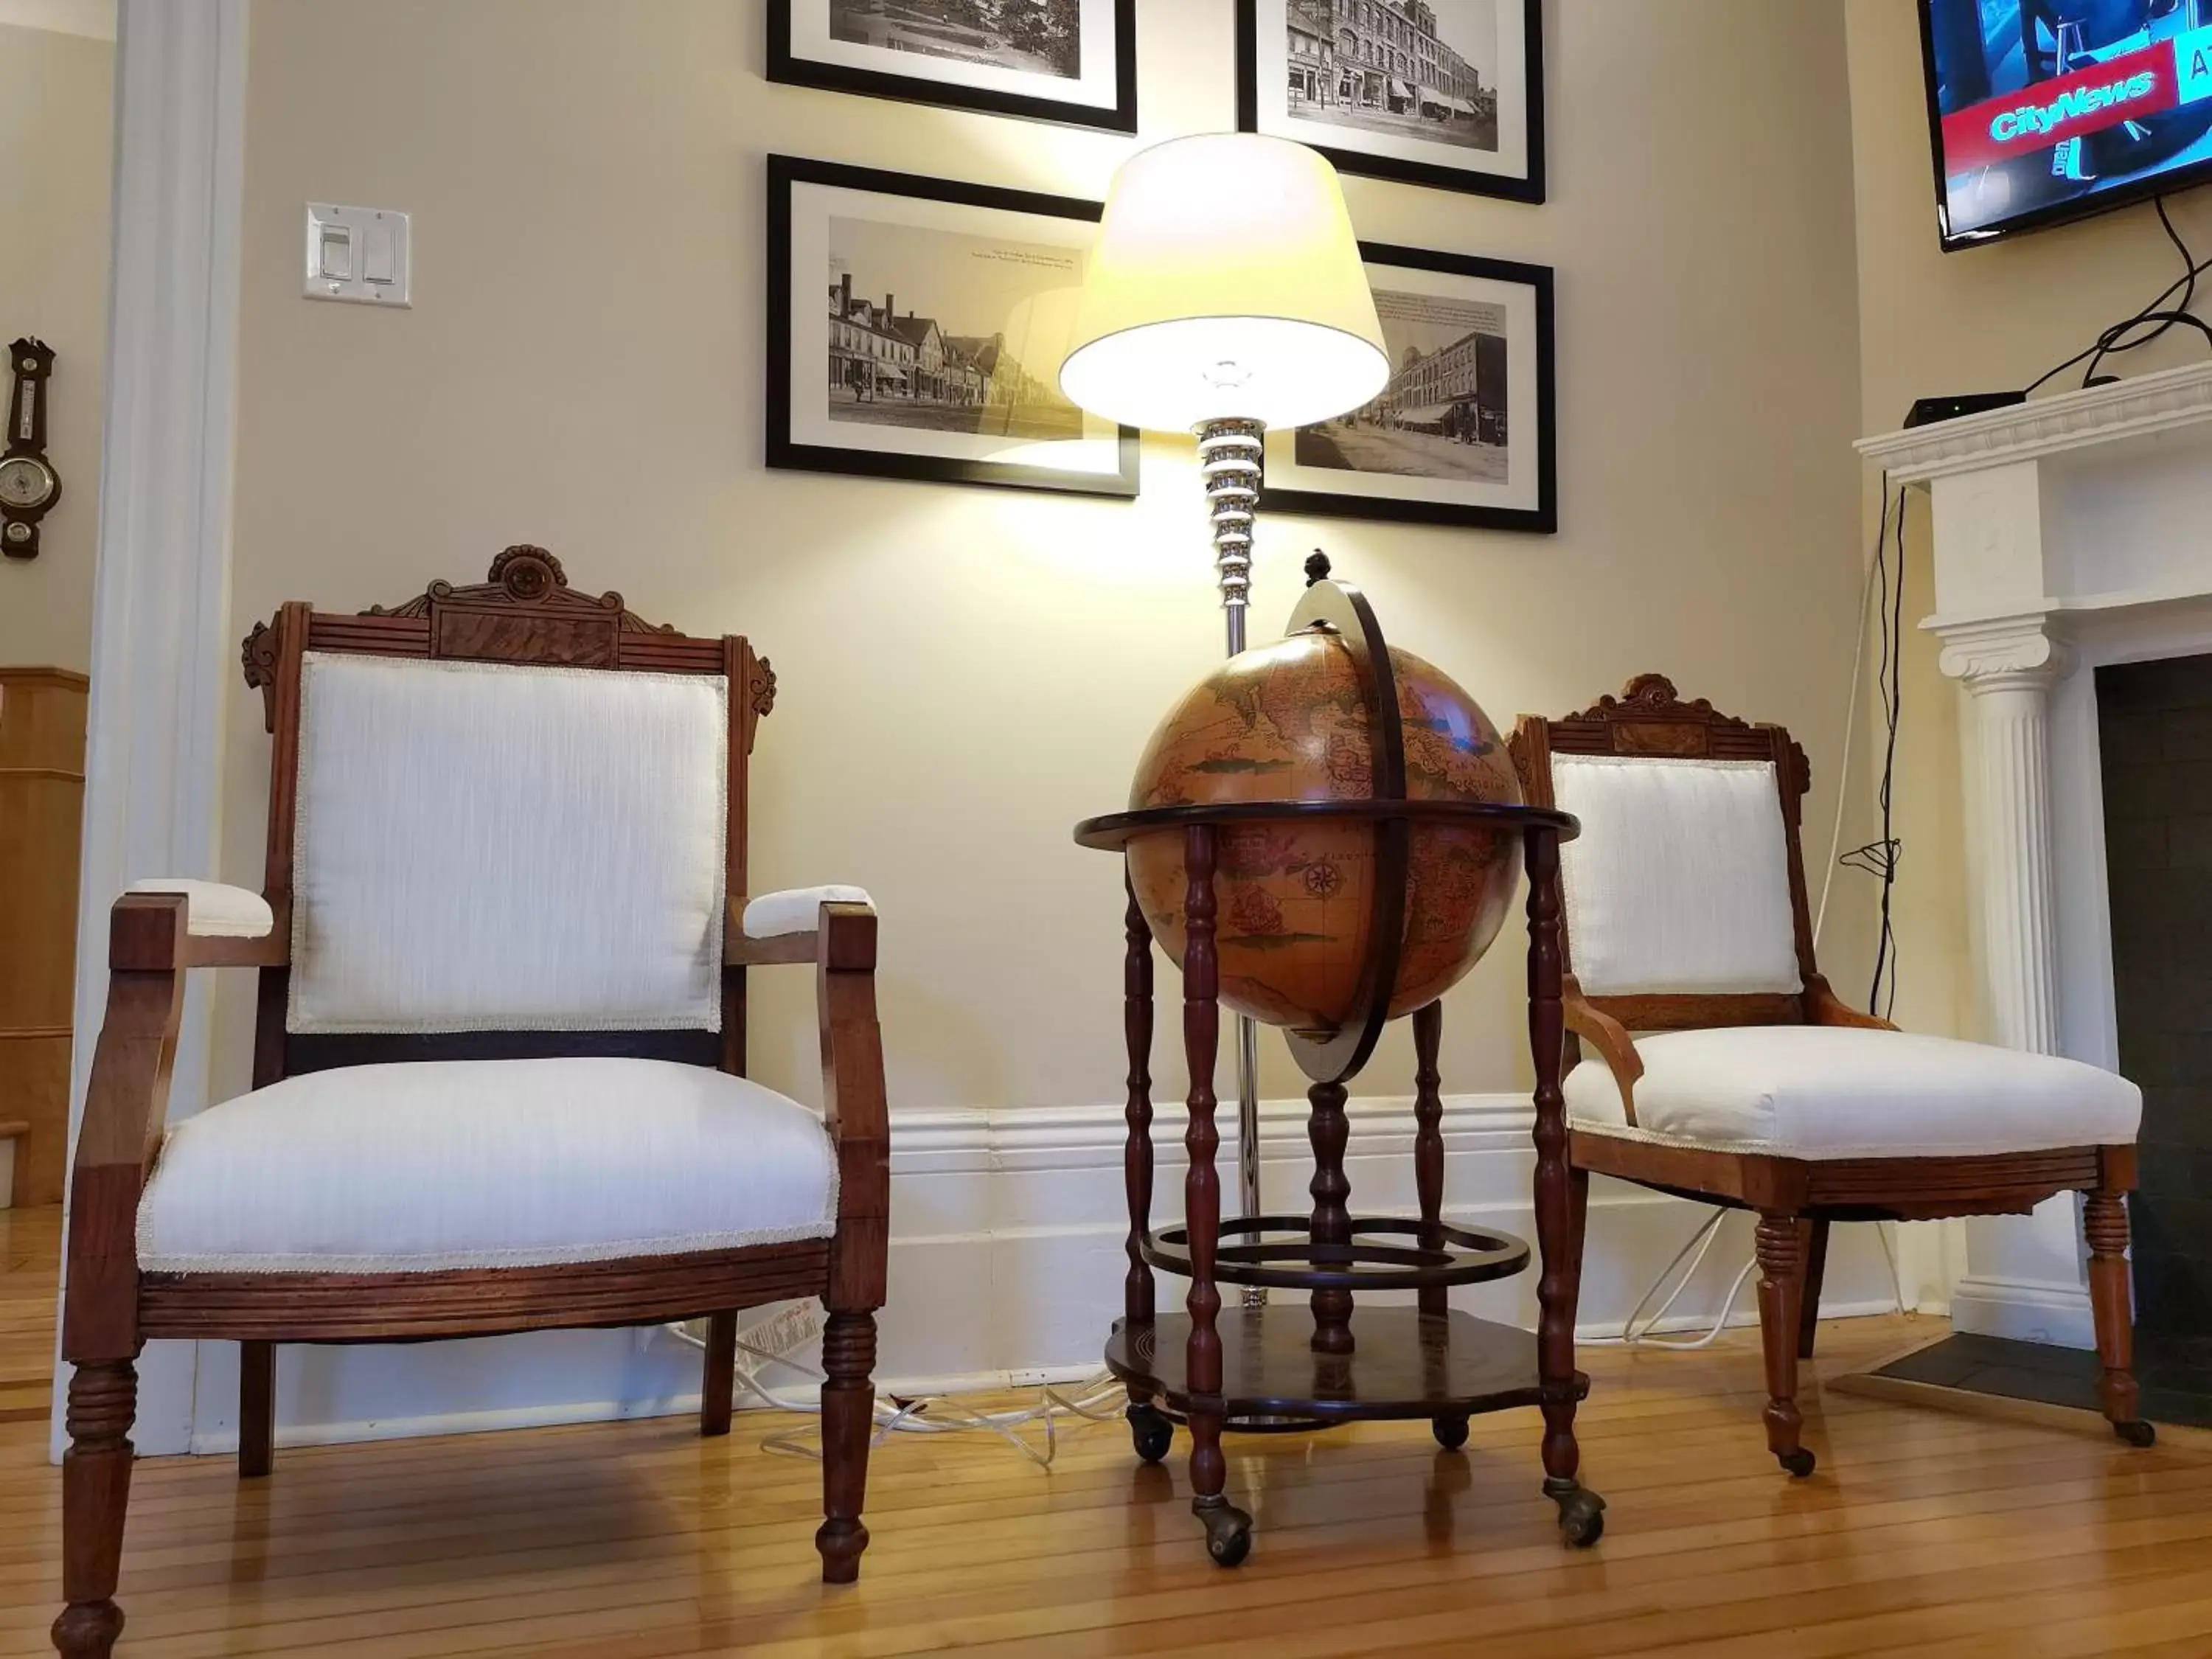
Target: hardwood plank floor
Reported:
point(1922, 1533)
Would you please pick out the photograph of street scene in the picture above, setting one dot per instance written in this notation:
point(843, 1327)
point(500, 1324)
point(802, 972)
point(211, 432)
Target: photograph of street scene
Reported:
point(977, 343)
point(1408, 69)
point(1443, 413)
point(1033, 37)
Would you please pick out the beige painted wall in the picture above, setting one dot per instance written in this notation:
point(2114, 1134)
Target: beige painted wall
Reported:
point(1979, 320)
point(55, 117)
point(966, 672)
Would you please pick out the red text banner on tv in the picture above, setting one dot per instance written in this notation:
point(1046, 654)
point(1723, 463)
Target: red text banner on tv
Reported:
point(2147, 82)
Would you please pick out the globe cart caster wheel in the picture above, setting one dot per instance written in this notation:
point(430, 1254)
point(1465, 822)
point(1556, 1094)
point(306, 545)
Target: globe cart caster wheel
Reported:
point(1450, 1431)
point(1798, 1462)
point(1581, 1516)
point(2136, 1434)
point(1228, 1531)
point(1151, 1431)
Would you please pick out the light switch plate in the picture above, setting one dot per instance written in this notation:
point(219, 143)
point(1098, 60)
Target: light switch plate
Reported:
point(361, 255)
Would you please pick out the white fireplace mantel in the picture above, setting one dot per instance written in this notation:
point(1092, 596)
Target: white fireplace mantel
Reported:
point(2068, 532)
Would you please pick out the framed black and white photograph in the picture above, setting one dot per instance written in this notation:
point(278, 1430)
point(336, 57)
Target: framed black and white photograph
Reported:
point(1049, 60)
point(917, 327)
point(1444, 93)
point(1463, 434)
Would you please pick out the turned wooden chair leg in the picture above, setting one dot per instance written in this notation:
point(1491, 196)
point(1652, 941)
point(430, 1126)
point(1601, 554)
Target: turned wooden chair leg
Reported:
point(1781, 1282)
point(718, 1391)
point(103, 1399)
point(2105, 1219)
point(257, 1409)
point(1816, 1269)
point(848, 1400)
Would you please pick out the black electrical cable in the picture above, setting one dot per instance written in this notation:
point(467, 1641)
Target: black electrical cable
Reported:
point(2113, 338)
point(1880, 858)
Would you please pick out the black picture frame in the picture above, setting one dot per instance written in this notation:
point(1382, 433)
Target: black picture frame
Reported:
point(786, 67)
point(1542, 519)
point(1527, 188)
point(784, 453)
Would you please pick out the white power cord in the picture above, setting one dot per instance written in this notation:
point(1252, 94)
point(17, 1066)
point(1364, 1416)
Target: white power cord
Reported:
point(1701, 1242)
point(1099, 1401)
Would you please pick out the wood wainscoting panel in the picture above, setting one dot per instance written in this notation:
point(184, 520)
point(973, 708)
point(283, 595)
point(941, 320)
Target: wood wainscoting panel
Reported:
point(42, 715)
point(34, 1075)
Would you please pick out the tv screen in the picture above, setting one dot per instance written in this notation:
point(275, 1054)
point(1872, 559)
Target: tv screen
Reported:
point(2046, 110)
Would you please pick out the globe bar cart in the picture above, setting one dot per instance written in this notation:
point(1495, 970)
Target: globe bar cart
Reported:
point(1261, 1368)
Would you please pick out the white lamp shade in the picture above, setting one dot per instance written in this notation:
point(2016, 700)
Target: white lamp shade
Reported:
point(1225, 283)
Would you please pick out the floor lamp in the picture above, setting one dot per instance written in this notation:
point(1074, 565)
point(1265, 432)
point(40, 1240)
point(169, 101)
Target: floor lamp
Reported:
point(1224, 295)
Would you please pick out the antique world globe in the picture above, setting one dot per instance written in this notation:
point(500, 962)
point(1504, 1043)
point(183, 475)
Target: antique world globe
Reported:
point(1298, 720)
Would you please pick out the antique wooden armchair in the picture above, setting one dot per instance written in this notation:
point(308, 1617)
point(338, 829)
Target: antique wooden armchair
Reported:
point(1748, 1083)
point(499, 1068)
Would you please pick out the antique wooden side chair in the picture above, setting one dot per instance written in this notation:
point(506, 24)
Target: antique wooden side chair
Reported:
point(499, 1071)
point(1732, 1073)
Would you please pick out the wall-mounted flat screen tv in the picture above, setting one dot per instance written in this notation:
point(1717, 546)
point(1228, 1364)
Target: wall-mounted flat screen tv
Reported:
point(2047, 110)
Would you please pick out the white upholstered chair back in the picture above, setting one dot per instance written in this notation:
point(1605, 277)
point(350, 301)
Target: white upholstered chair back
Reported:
point(1680, 881)
point(487, 847)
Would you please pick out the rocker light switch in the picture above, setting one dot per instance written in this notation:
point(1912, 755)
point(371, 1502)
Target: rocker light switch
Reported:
point(337, 253)
point(357, 254)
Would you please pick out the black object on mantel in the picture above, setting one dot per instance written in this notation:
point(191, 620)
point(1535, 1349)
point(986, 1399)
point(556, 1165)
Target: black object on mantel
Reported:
point(1927, 411)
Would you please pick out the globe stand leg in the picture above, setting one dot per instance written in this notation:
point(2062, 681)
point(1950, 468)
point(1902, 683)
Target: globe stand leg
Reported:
point(1229, 453)
point(1330, 1130)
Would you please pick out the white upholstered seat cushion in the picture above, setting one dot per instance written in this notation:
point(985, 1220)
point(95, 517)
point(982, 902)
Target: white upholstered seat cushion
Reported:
point(1827, 1092)
point(485, 1163)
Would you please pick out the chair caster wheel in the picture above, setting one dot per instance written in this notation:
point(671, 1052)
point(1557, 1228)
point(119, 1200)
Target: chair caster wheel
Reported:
point(2136, 1434)
point(1228, 1532)
point(1581, 1518)
point(1450, 1431)
point(1151, 1431)
point(1798, 1462)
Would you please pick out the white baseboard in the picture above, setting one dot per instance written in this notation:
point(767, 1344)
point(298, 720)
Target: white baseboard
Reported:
point(2025, 1309)
point(1007, 1263)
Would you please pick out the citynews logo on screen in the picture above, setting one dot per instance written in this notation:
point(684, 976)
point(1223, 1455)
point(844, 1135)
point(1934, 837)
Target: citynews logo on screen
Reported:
point(2128, 87)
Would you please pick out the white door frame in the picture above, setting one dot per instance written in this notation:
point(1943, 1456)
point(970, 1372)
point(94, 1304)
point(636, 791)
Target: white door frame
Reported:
point(161, 630)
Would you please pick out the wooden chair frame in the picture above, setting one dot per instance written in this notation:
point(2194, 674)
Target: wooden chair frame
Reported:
point(525, 612)
point(1796, 1198)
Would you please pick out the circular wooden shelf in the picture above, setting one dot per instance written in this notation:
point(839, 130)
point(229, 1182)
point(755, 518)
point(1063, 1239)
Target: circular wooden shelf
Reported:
point(1468, 1255)
point(1405, 1365)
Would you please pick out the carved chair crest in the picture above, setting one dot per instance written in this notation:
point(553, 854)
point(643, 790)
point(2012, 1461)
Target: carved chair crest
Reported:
point(523, 611)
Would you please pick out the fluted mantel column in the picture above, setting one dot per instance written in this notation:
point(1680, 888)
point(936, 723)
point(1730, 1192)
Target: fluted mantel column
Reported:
point(2008, 665)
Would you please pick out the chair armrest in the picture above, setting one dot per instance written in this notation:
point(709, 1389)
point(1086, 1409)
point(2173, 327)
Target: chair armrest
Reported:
point(1824, 1007)
point(1614, 1045)
point(780, 927)
point(855, 1105)
point(223, 927)
point(125, 1108)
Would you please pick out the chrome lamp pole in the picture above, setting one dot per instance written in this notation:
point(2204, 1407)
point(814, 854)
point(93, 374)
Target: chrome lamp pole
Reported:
point(1229, 459)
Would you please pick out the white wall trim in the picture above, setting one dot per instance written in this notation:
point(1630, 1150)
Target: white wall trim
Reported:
point(161, 586)
point(2025, 1309)
point(1066, 1138)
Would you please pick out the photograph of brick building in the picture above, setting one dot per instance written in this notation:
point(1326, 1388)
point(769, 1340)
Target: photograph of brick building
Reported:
point(1443, 413)
point(973, 351)
point(1423, 68)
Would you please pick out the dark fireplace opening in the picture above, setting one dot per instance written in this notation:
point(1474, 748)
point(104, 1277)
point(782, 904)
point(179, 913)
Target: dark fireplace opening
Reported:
point(2154, 738)
point(2155, 743)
